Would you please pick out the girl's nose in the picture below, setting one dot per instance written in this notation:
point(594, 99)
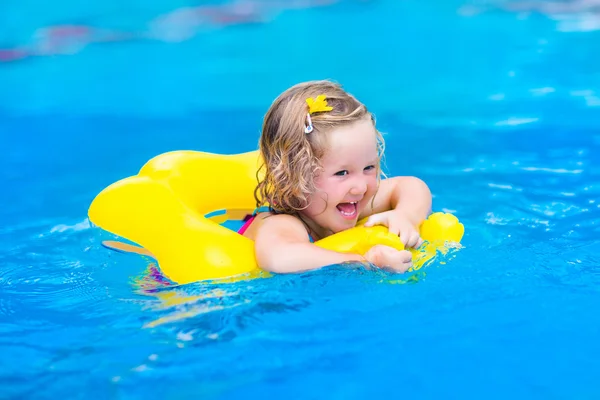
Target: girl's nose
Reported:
point(359, 187)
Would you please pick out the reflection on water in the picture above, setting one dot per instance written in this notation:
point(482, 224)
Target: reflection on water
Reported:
point(185, 23)
point(246, 298)
point(178, 25)
point(570, 15)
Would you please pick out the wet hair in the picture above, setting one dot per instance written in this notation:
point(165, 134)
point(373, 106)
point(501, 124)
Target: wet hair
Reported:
point(290, 157)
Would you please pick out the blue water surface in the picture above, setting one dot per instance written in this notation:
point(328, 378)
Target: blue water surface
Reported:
point(498, 111)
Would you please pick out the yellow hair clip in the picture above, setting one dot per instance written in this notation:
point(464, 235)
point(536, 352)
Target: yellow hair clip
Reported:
point(317, 105)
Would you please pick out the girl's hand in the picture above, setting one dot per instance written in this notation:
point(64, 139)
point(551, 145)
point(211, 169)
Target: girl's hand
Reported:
point(399, 224)
point(387, 257)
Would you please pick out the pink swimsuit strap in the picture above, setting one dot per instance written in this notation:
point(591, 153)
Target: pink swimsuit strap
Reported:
point(246, 225)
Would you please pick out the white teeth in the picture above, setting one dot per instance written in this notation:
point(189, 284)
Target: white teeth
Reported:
point(350, 213)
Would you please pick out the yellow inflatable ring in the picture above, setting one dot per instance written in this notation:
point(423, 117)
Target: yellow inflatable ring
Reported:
point(174, 206)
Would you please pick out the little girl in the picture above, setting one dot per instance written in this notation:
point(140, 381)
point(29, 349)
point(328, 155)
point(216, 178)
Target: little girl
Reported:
point(322, 156)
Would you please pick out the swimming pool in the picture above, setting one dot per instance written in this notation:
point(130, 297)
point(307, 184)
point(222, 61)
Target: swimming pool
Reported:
point(498, 110)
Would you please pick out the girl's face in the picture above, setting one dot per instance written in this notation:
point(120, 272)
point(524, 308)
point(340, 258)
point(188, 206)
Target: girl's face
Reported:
point(348, 179)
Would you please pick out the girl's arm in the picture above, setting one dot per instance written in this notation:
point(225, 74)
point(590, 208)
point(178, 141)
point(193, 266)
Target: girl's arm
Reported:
point(282, 246)
point(401, 204)
point(405, 194)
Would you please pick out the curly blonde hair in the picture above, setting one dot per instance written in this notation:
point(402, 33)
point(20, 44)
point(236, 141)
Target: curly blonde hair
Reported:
point(291, 156)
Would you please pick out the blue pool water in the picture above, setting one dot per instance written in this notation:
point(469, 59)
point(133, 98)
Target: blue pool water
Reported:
point(497, 110)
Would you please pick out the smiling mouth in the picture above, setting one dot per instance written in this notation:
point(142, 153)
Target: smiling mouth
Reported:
point(348, 210)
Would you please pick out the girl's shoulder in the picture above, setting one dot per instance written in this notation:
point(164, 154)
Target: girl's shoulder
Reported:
point(269, 223)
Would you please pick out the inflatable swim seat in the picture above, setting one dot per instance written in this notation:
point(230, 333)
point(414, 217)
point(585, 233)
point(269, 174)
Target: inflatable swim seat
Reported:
point(174, 207)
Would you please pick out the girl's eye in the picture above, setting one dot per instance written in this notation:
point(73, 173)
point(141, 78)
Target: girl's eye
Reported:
point(370, 167)
point(341, 173)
